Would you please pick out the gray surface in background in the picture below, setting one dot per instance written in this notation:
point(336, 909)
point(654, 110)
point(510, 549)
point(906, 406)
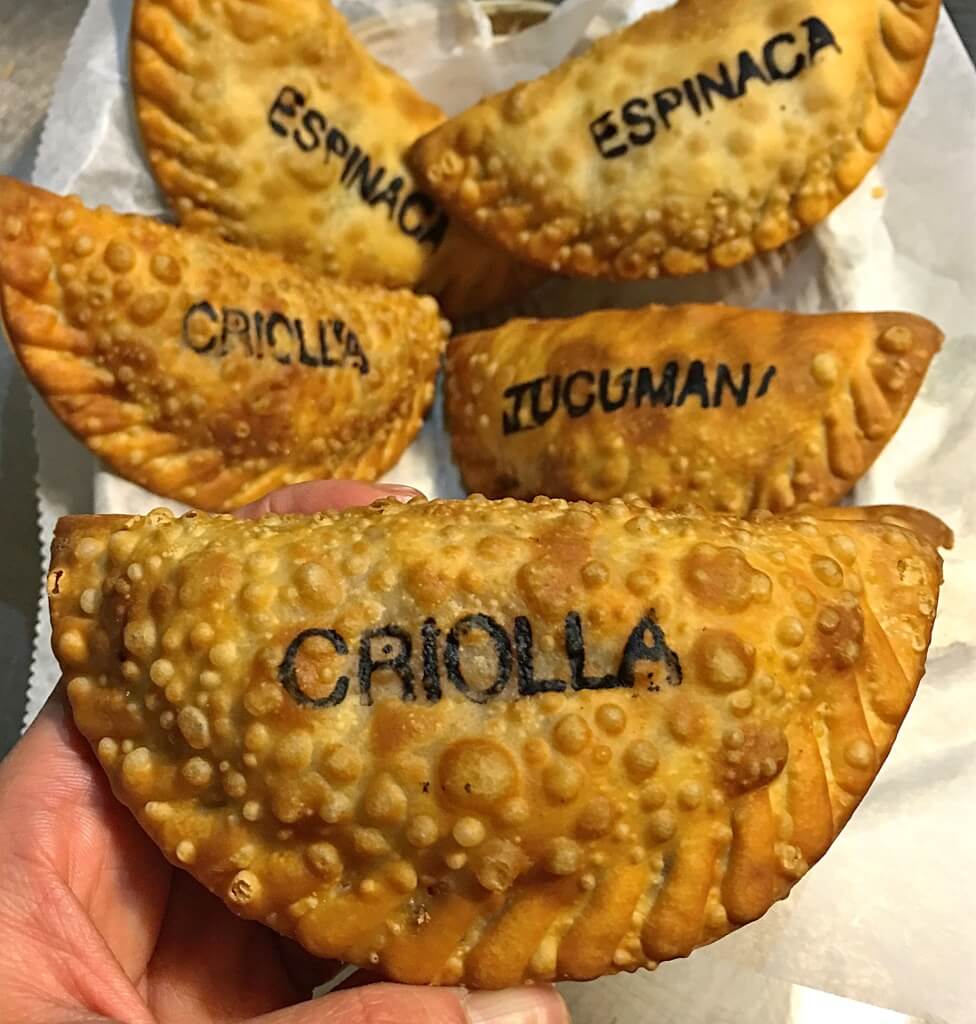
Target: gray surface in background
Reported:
point(964, 15)
point(33, 37)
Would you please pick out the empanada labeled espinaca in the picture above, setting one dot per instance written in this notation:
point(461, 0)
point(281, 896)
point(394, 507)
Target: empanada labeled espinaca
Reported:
point(269, 124)
point(490, 742)
point(729, 409)
point(202, 371)
point(695, 138)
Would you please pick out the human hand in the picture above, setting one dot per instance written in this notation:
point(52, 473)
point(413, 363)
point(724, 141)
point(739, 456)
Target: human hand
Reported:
point(96, 926)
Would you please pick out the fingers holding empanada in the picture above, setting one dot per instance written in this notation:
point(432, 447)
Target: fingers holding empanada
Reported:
point(484, 743)
point(697, 137)
point(270, 125)
point(204, 372)
point(729, 409)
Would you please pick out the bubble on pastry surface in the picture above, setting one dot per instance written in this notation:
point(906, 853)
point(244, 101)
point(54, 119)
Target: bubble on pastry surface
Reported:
point(844, 548)
point(824, 369)
point(369, 842)
point(515, 811)
point(724, 662)
point(138, 770)
point(164, 268)
point(244, 889)
point(897, 339)
point(611, 718)
point(477, 773)
point(499, 864)
point(468, 832)
point(563, 857)
point(752, 756)
point(641, 759)
point(342, 763)
point(690, 795)
point(571, 734)
point(662, 825)
point(422, 831)
point(828, 571)
point(859, 753)
point(562, 781)
point(790, 631)
point(720, 577)
point(596, 818)
point(686, 719)
point(385, 801)
point(120, 257)
point(72, 647)
point(839, 640)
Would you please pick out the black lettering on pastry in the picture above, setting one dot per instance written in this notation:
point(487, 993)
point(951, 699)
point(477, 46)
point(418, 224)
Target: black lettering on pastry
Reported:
point(392, 649)
point(321, 344)
point(533, 403)
point(414, 212)
point(640, 119)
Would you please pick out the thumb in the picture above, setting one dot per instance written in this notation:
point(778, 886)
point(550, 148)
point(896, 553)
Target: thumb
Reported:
point(318, 495)
point(406, 1004)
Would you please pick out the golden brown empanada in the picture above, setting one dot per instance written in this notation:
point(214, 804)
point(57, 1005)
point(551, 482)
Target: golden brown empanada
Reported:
point(269, 124)
point(489, 742)
point(200, 370)
point(695, 138)
point(730, 409)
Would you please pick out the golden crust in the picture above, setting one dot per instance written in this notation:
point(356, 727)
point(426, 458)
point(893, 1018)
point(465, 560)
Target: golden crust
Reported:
point(647, 402)
point(269, 124)
point(923, 524)
point(205, 372)
point(488, 742)
point(664, 151)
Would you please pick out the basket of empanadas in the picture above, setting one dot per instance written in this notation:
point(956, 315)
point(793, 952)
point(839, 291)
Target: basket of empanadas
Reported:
point(620, 684)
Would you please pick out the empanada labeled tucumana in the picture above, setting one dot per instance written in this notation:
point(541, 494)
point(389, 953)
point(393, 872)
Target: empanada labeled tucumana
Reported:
point(269, 124)
point(693, 139)
point(484, 743)
point(204, 372)
point(729, 409)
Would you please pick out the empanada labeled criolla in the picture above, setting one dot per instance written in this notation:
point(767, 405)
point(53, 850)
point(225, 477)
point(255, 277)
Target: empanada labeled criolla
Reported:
point(202, 371)
point(729, 409)
point(490, 742)
point(693, 139)
point(269, 124)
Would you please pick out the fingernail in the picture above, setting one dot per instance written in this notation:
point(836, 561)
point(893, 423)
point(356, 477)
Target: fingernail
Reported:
point(399, 491)
point(516, 1006)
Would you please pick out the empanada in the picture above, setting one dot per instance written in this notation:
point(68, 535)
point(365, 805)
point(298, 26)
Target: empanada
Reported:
point(730, 409)
point(202, 371)
point(269, 124)
point(695, 138)
point(490, 742)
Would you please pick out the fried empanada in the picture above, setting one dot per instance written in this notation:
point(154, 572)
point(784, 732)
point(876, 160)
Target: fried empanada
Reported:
point(269, 124)
point(695, 138)
point(202, 371)
point(729, 409)
point(490, 742)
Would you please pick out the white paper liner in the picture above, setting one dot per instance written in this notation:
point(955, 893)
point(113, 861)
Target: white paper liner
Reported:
point(888, 916)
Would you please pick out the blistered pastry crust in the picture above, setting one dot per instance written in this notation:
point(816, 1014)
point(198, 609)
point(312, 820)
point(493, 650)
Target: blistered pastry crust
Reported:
point(626, 163)
point(268, 123)
point(586, 738)
point(725, 408)
point(204, 372)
